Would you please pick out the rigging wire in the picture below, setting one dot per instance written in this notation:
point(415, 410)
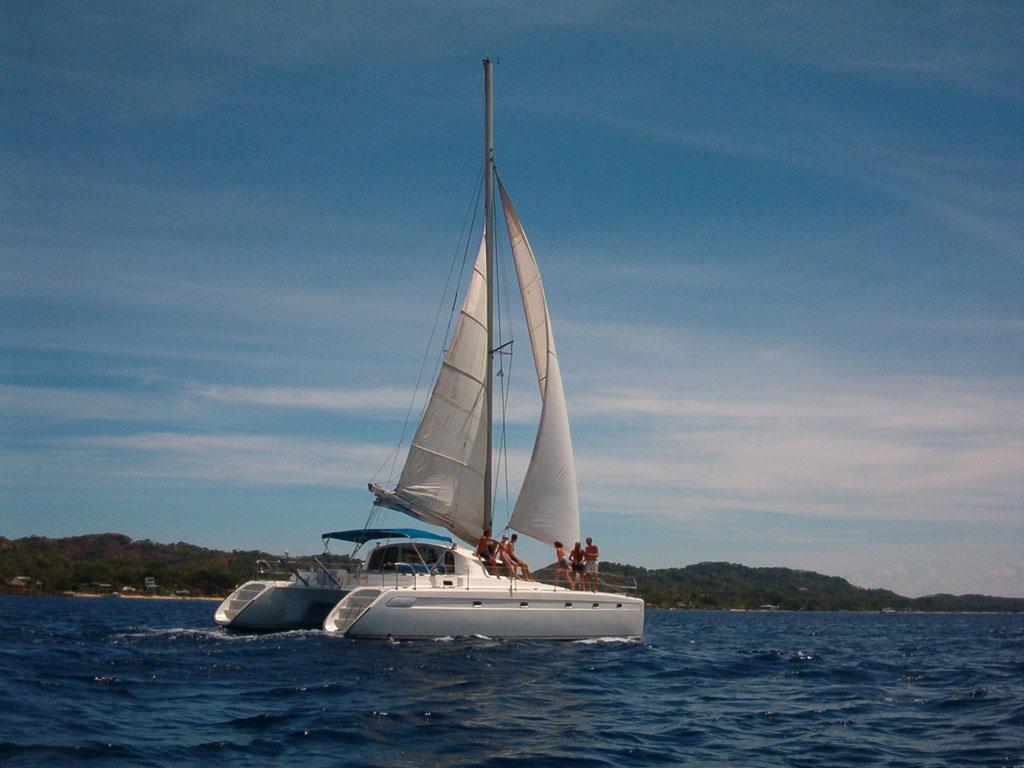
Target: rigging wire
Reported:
point(465, 238)
point(505, 372)
point(504, 349)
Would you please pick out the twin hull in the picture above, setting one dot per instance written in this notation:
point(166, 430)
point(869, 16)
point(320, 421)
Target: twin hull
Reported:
point(273, 606)
point(429, 613)
point(416, 590)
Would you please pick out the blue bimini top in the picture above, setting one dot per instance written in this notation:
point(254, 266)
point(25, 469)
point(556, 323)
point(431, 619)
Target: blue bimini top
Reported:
point(363, 535)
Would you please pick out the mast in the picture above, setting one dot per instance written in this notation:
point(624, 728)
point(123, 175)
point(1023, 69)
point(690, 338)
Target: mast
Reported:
point(489, 245)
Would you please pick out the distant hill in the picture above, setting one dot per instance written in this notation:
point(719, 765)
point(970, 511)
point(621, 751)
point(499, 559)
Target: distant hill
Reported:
point(109, 562)
point(732, 586)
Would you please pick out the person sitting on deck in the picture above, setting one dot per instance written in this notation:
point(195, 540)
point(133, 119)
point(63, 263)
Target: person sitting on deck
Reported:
point(516, 562)
point(485, 551)
point(505, 558)
point(493, 549)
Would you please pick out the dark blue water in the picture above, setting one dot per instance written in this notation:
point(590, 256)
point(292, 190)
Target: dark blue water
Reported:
point(154, 683)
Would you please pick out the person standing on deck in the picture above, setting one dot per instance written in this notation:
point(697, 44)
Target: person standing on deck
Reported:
point(576, 558)
point(562, 565)
point(591, 552)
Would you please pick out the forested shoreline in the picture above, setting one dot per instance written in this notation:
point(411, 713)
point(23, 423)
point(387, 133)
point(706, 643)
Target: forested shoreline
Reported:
point(112, 563)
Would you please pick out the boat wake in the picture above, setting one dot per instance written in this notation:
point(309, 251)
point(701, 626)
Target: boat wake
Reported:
point(596, 640)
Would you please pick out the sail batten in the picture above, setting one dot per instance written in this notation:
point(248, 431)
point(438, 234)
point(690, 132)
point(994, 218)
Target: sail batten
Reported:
point(453, 459)
point(468, 374)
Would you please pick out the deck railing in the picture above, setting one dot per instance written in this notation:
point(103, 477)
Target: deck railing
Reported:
point(285, 568)
point(606, 582)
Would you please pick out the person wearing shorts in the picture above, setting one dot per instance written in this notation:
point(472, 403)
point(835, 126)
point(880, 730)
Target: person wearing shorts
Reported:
point(591, 553)
point(516, 562)
point(576, 560)
point(485, 552)
point(562, 565)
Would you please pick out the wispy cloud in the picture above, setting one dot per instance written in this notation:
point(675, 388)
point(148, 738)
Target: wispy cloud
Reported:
point(234, 459)
point(361, 401)
point(794, 438)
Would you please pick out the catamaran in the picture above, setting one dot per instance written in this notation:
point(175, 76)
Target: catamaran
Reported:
point(443, 589)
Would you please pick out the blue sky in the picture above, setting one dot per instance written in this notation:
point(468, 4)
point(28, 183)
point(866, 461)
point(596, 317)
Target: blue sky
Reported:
point(782, 244)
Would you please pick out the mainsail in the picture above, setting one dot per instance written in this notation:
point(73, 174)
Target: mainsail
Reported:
point(442, 482)
point(547, 508)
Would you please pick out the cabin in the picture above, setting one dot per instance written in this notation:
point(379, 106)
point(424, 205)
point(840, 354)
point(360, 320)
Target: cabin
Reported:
point(411, 558)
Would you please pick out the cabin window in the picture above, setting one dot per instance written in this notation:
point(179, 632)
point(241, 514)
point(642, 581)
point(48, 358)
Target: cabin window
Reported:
point(596, 605)
point(618, 605)
point(384, 559)
point(477, 603)
point(524, 604)
point(568, 605)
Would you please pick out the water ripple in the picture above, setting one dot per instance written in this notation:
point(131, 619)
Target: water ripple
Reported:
point(154, 683)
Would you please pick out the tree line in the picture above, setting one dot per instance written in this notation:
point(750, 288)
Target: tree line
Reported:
point(728, 586)
point(111, 562)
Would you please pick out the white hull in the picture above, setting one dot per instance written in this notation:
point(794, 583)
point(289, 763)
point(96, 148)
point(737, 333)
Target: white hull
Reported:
point(269, 606)
point(528, 611)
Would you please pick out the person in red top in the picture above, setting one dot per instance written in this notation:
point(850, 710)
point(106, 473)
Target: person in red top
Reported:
point(590, 574)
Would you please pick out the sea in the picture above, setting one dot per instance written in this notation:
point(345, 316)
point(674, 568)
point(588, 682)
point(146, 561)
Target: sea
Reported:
point(140, 682)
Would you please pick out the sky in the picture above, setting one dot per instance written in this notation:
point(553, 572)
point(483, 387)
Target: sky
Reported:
point(782, 246)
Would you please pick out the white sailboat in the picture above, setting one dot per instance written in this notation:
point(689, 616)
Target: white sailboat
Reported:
point(446, 481)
